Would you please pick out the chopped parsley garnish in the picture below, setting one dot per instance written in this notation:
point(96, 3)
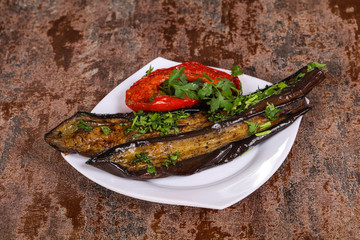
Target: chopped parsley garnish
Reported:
point(271, 112)
point(265, 125)
point(310, 67)
point(166, 123)
point(148, 71)
point(236, 71)
point(144, 158)
point(151, 169)
point(275, 89)
point(171, 159)
point(105, 129)
point(254, 127)
point(263, 133)
point(82, 125)
point(300, 75)
point(243, 102)
point(313, 65)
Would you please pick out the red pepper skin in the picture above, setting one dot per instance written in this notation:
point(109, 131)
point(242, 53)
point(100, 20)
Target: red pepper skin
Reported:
point(144, 94)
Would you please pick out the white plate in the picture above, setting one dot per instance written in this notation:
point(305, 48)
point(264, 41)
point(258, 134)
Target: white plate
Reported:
point(215, 188)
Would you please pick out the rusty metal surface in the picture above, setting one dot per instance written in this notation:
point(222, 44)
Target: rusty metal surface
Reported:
point(57, 57)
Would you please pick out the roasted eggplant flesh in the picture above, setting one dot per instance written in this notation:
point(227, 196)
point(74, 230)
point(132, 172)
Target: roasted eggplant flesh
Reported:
point(84, 133)
point(188, 145)
point(91, 134)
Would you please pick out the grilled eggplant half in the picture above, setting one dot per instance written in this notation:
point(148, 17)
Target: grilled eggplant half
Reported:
point(90, 134)
point(190, 152)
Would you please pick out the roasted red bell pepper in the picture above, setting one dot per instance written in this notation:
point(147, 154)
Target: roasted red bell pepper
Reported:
point(144, 94)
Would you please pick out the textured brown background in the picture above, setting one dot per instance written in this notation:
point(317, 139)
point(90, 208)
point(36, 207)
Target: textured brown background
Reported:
point(58, 57)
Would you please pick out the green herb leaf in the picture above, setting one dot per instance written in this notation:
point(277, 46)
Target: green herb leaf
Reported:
point(313, 65)
point(224, 103)
point(265, 125)
point(82, 125)
point(226, 86)
point(151, 169)
point(236, 71)
point(141, 157)
point(206, 90)
point(171, 159)
point(188, 89)
point(252, 127)
point(165, 123)
point(214, 104)
point(218, 117)
point(178, 86)
point(309, 67)
point(148, 71)
point(105, 129)
point(263, 133)
point(144, 158)
point(166, 87)
point(271, 112)
point(252, 99)
point(300, 75)
point(280, 86)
